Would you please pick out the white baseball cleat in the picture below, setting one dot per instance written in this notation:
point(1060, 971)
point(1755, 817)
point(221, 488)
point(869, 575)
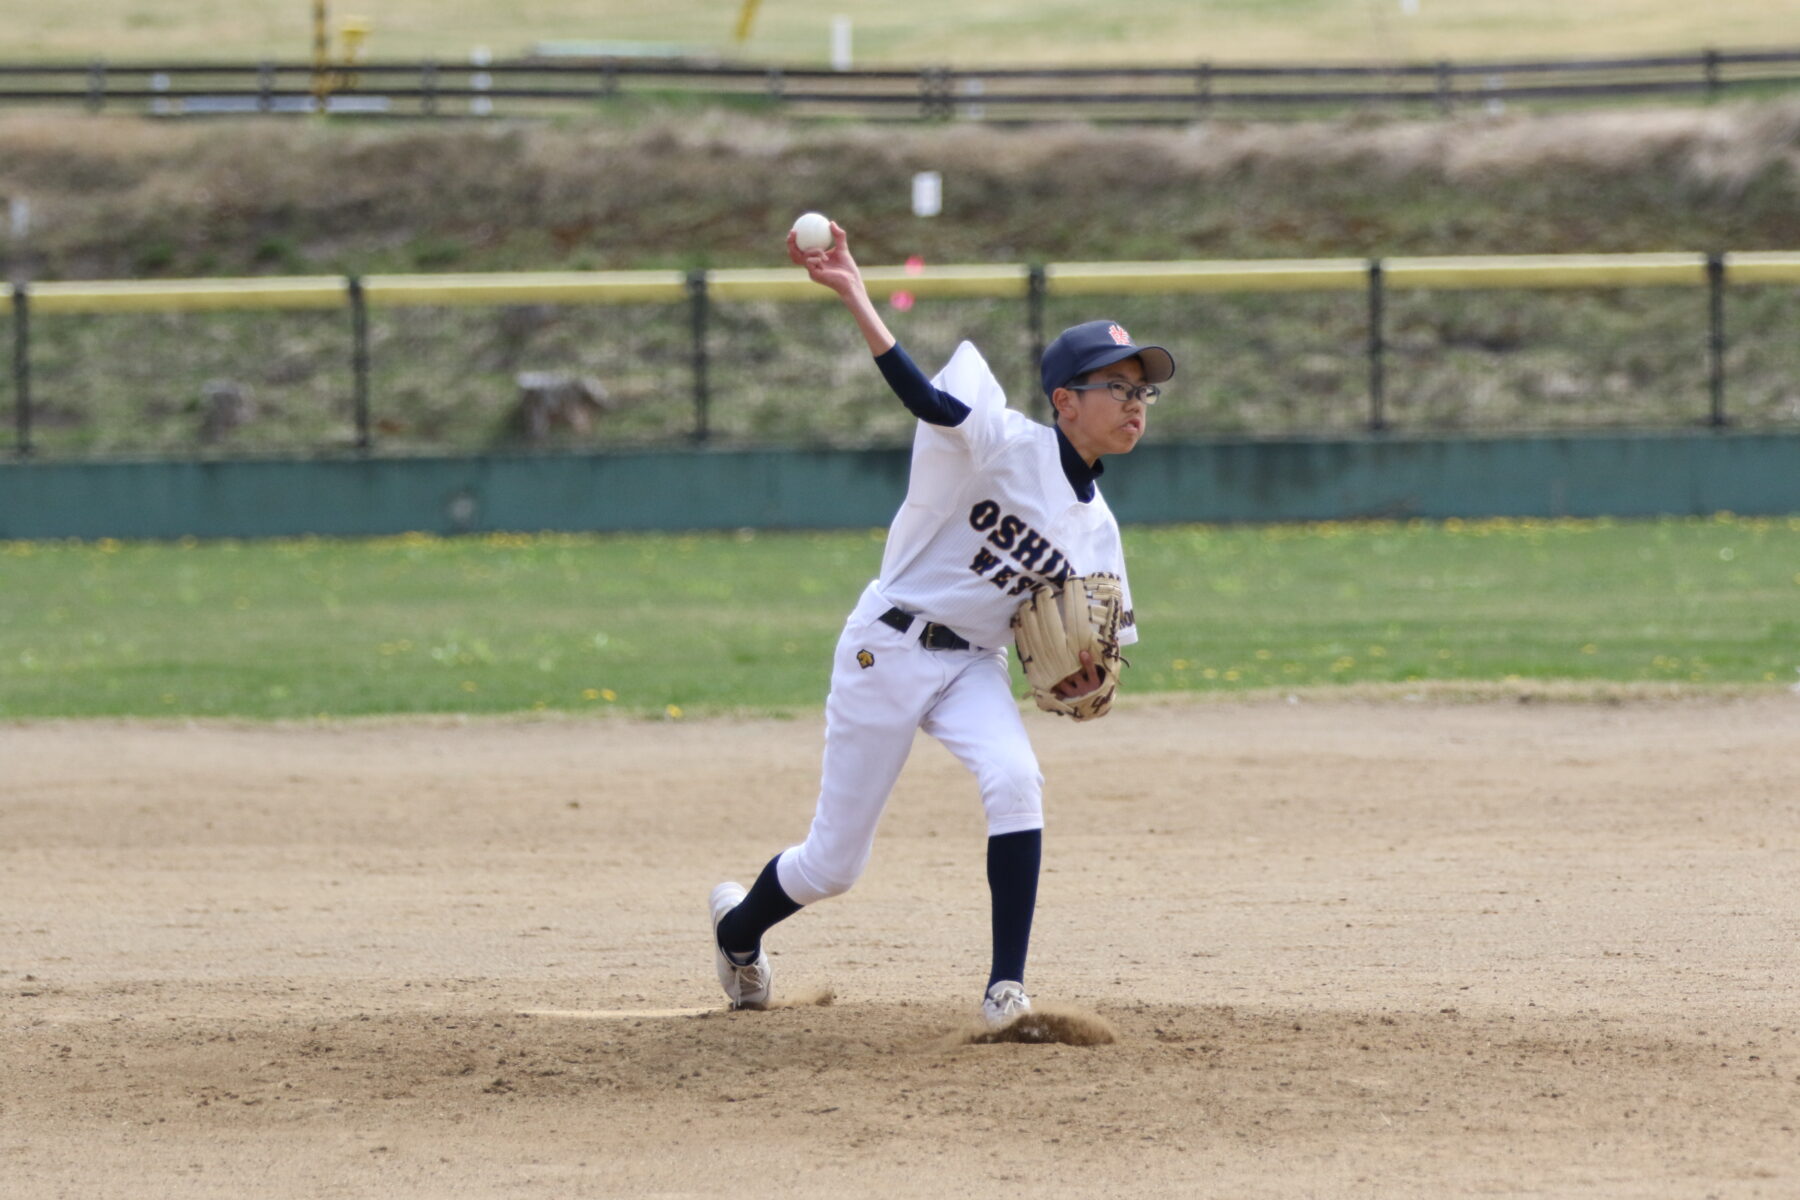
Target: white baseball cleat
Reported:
point(745, 986)
point(1005, 1003)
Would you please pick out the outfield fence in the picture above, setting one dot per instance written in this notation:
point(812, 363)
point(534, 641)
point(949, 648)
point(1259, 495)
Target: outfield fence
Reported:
point(411, 364)
point(1179, 93)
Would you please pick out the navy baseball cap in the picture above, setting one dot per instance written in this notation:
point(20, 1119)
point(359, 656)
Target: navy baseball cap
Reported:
point(1096, 344)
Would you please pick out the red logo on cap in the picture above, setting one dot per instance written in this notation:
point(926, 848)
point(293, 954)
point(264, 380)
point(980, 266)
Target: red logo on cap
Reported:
point(1119, 335)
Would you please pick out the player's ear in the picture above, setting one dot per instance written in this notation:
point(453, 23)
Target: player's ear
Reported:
point(1063, 401)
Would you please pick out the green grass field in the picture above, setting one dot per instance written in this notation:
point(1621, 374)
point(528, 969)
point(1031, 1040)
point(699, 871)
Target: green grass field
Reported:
point(687, 625)
point(926, 31)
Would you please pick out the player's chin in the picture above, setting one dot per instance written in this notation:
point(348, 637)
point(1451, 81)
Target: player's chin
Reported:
point(1125, 437)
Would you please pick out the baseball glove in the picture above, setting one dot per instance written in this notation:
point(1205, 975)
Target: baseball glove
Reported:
point(1055, 624)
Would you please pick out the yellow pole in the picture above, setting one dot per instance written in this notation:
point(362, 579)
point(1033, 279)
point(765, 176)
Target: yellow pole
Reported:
point(353, 34)
point(745, 16)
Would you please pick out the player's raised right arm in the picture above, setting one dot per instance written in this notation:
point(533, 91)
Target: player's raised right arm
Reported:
point(836, 269)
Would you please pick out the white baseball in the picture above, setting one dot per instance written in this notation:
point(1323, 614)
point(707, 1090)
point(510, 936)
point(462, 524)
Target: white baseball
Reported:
point(812, 232)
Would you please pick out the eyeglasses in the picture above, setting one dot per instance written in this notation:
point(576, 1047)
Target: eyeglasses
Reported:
point(1124, 393)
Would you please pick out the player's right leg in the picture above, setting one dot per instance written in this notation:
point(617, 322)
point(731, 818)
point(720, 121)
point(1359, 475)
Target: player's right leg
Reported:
point(881, 683)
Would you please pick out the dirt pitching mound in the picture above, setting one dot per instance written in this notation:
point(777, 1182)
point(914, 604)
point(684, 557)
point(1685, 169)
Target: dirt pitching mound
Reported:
point(1059, 1025)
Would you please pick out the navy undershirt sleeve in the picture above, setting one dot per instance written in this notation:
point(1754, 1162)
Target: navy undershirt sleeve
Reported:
point(929, 404)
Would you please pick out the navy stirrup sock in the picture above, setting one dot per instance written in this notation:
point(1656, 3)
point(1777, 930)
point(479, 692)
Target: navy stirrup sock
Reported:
point(741, 929)
point(1012, 871)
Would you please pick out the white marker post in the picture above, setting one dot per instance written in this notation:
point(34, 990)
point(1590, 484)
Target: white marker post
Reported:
point(18, 230)
point(927, 194)
point(840, 43)
point(481, 81)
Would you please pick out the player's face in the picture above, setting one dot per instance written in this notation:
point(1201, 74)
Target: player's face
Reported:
point(1099, 424)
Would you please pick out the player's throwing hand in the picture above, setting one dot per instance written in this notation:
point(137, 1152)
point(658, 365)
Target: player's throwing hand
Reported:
point(833, 267)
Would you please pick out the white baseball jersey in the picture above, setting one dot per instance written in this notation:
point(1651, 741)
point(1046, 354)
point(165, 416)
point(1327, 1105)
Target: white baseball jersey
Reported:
point(988, 513)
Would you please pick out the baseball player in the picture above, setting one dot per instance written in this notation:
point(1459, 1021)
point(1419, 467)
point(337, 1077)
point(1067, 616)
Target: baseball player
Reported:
point(996, 505)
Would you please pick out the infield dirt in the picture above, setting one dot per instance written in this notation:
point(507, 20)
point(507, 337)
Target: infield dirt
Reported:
point(1349, 949)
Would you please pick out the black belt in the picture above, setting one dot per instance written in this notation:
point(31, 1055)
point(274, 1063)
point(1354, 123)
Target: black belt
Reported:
point(932, 637)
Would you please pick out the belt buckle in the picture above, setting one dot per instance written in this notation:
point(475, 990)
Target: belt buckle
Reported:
point(934, 636)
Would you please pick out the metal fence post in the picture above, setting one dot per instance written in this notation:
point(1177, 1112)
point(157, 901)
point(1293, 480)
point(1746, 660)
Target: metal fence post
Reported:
point(359, 360)
point(1445, 88)
point(935, 85)
point(1715, 340)
point(1036, 288)
point(96, 89)
point(1203, 89)
point(1377, 349)
point(21, 306)
point(1710, 67)
point(265, 87)
point(698, 305)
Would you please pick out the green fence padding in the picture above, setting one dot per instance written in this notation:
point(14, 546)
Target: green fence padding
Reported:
point(1227, 481)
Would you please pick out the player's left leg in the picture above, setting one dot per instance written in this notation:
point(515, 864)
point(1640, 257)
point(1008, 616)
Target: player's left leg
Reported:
point(978, 721)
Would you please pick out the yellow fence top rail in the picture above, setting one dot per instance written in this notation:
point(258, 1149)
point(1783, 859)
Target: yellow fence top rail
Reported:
point(1546, 271)
point(975, 281)
point(189, 295)
point(1253, 275)
point(1762, 267)
point(948, 282)
point(527, 287)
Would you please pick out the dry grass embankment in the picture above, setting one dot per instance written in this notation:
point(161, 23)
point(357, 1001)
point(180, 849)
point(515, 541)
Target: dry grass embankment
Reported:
point(124, 197)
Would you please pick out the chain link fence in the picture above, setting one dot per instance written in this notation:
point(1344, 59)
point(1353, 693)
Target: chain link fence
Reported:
point(697, 368)
point(176, 383)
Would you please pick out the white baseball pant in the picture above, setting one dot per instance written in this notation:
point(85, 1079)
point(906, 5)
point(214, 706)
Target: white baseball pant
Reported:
point(963, 698)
